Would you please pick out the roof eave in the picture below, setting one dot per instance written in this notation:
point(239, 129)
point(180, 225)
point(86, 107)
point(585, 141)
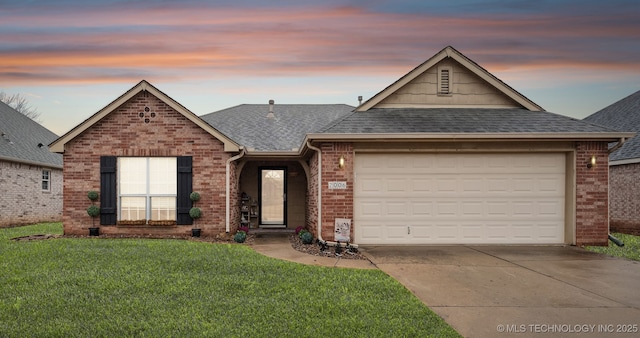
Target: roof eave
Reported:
point(609, 137)
point(272, 154)
point(36, 163)
point(625, 161)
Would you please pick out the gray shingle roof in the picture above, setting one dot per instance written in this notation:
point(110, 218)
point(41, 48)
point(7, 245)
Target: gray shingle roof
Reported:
point(623, 115)
point(248, 125)
point(460, 120)
point(20, 136)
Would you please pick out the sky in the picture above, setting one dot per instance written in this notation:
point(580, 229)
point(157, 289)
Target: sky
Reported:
point(71, 58)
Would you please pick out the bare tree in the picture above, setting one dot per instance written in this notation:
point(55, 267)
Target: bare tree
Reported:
point(20, 104)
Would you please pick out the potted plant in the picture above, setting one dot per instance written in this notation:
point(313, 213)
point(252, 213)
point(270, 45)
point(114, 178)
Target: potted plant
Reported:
point(195, 213)
point(93, 211)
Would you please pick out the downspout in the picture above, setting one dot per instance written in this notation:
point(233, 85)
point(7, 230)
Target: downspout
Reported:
point(319, 198)
point(329, 243)
point(617, 146)
point(614, 148)
point(228, 182)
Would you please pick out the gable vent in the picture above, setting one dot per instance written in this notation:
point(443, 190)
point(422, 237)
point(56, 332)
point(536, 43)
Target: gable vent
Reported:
point(444, 81)
point(444, 84)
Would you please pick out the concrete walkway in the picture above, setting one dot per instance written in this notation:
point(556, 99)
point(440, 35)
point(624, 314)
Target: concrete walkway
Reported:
point(504, 291)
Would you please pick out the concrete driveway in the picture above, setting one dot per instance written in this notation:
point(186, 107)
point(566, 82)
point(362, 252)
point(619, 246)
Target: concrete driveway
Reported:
point(519, 291)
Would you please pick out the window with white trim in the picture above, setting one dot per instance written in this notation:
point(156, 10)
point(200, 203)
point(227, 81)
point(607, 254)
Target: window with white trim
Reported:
point(147, 188)
point(444, 80)
point(46, 180)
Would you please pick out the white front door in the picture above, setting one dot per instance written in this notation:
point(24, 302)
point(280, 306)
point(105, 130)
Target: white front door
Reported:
point(273, 197)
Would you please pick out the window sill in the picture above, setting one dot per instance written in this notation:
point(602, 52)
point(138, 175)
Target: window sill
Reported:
point(145, 223)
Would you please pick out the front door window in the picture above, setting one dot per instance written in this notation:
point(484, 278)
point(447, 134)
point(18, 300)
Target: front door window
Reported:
point(273, 196)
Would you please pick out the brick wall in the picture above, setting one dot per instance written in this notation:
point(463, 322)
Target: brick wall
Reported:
point(22, 200)
point(124, 133)
point(624, 198)
point(336, 203)
point(311, 220)
point(592, 206)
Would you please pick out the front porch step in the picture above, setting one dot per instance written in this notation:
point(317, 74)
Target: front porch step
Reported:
point(271, 232)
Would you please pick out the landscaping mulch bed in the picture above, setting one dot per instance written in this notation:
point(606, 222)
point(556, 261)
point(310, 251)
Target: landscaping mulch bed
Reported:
point(316, 250)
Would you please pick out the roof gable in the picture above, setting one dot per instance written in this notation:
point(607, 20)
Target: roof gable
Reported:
point(142, 86)
point(25, 140)
point(623, 115)
point(479, 88)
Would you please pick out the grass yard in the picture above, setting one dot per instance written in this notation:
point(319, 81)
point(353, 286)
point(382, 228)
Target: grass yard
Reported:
point(630, 250)
point(94, 287)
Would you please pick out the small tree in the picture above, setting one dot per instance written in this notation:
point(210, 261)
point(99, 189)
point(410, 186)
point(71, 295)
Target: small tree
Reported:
point(93, 210)
point(195, 212)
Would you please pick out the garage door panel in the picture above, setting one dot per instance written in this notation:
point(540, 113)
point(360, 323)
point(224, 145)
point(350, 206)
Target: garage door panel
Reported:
point(459, 198)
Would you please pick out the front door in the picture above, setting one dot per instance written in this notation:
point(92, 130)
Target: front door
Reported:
point(273, 197)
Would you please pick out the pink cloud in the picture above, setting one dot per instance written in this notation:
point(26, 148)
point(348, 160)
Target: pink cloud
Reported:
point(183, 43)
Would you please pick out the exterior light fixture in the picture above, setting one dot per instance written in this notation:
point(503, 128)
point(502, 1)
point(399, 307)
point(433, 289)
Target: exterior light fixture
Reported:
point(592, 162)
point(341, 162)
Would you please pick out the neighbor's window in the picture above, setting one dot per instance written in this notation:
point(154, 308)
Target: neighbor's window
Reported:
point(147, 188)
point(46, 180)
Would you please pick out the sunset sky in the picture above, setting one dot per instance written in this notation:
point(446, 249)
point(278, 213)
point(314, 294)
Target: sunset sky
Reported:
point(71, 58)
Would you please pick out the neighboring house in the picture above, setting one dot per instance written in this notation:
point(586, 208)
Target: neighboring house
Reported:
point(30, 175)
point(448, 154)
point(624, 164)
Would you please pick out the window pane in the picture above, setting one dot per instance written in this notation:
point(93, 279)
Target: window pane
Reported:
point(45, 185)
point(133, 208)
point(162, 176)
point(163, 208)
point(133, 175)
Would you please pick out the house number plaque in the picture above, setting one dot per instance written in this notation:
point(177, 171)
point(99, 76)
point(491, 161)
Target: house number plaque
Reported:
point(337, 185)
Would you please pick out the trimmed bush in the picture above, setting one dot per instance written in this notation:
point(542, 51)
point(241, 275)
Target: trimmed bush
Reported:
point(93, 195)
point(93, 210)
point(306, 237)
point(240, 237)
point(195, 212)
point(194, 196)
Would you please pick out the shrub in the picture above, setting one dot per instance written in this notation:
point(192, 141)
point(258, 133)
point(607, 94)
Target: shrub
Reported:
point(194, 196)
point(245, 229)
point(93, 195)
point(298, 229)
point(240, 237)
point(93, 210)
point(302, 232)
point(306, 237)
point(195, 212)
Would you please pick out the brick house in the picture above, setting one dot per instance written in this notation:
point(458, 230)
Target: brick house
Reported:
point(624, 163)
point(30, 175)
point(447, 154)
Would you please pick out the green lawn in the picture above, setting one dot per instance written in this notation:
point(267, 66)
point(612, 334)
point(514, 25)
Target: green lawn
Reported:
point(95, 287)
point(630, 250)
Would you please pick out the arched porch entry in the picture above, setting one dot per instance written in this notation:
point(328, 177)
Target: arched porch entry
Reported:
point(273, 194)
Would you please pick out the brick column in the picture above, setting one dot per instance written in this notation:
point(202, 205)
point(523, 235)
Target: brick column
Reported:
point(592, 199)
point(336, 203)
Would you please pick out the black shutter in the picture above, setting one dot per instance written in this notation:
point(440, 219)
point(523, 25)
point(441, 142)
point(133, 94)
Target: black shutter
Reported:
point(185, 186)
point(108, 195)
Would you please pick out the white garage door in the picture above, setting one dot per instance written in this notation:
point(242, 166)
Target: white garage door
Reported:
point(459, 198)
